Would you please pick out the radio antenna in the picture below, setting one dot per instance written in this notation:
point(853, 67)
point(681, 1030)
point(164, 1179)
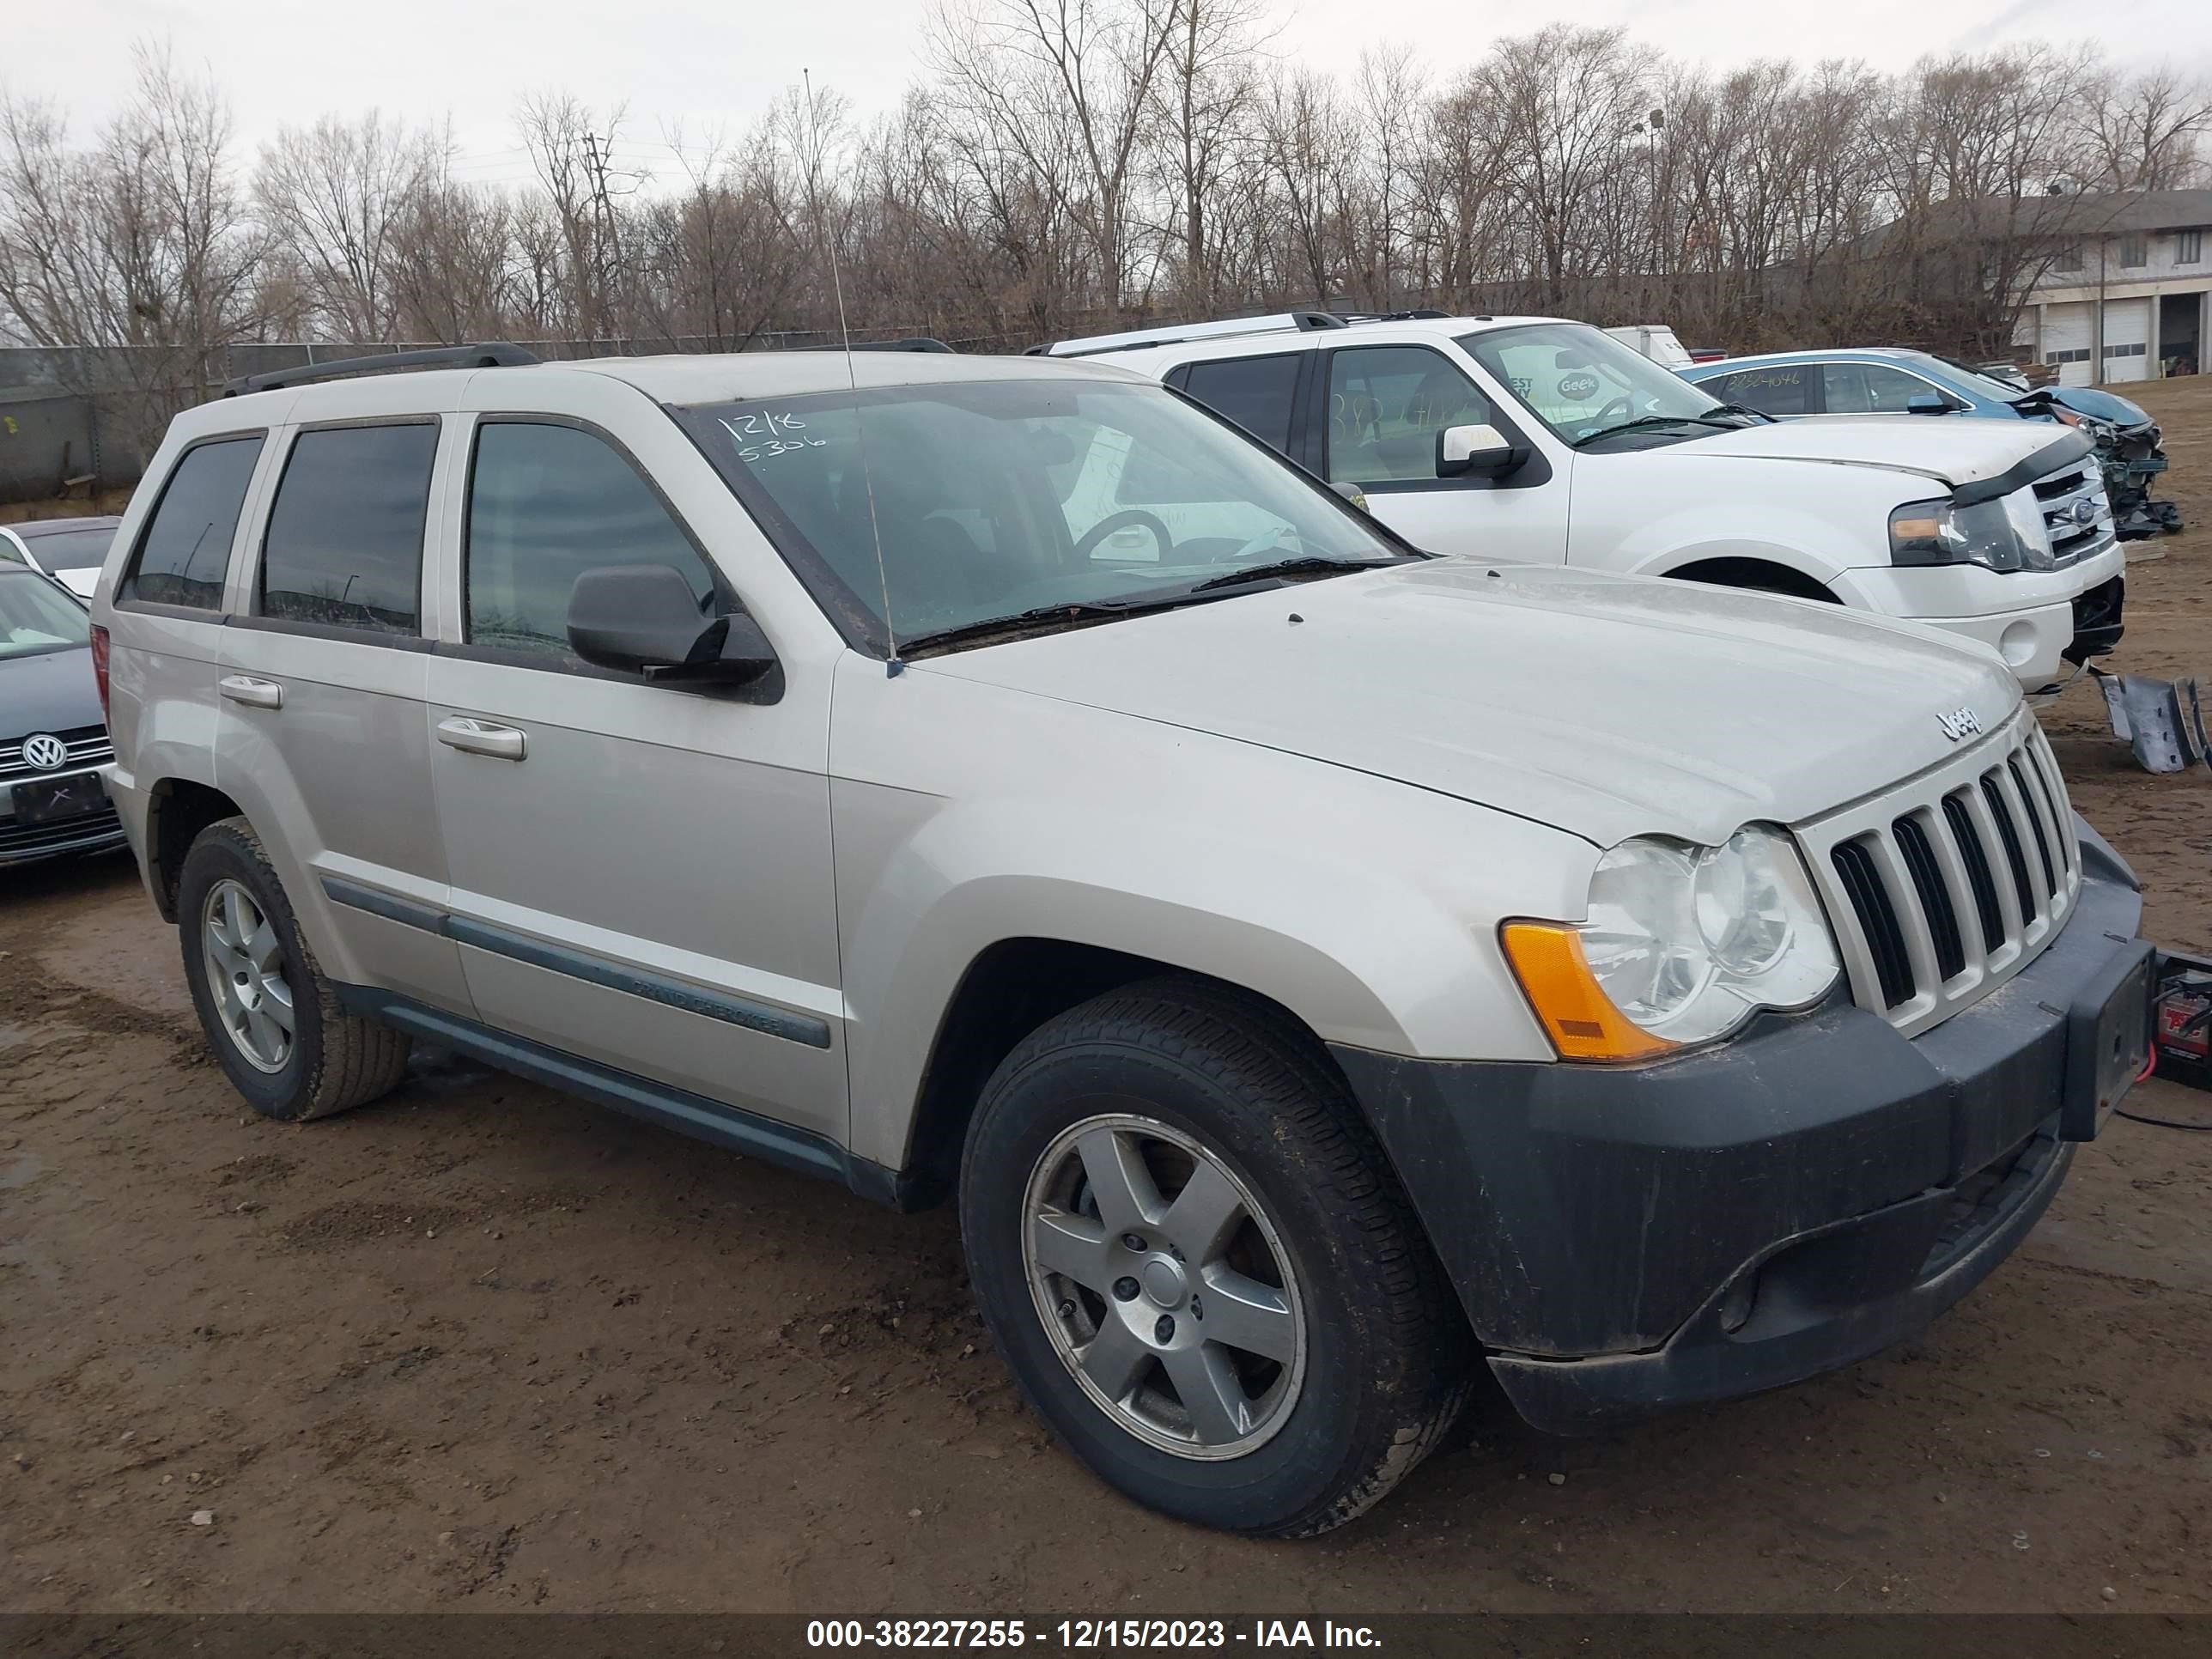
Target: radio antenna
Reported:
point(892, 667)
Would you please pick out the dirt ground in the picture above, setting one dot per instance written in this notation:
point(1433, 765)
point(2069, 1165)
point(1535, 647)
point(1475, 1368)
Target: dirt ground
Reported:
point(481, 1346)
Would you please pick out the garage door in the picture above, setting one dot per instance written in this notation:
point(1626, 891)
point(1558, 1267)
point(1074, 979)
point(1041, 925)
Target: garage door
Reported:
point(2066, 341)
point(2127, 339)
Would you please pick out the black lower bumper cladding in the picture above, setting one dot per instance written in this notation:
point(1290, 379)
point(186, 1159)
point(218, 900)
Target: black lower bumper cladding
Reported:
point(1628, 1239)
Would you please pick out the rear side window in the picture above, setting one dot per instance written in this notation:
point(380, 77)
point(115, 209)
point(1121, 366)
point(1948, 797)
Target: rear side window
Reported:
point(547, 503)
point(1777, 390)
point(344, 544)
point(1255, 392)
point(185, 553)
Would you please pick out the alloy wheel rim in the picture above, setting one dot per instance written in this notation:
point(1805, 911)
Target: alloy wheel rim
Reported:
point(1164, 1286)
point(244, 964)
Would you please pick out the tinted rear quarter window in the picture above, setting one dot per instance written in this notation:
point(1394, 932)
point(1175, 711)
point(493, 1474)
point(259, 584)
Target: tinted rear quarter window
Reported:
point(1255, 392)
point(185, 553)
point(344, 544)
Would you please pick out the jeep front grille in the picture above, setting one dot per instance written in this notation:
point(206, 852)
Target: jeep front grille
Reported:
point(1943, 889)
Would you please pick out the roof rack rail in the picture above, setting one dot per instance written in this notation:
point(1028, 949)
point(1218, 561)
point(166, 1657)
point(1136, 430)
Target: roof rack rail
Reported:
point(1418, 314)
point(1174, 333)
point(912, 343)
point(496, 354)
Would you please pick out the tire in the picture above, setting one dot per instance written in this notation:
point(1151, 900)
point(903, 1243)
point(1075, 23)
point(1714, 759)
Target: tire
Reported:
point(1374, 1362)
point(332, 1059)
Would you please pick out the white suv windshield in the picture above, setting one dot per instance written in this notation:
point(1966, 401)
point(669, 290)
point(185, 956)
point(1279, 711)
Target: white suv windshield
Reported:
point(1004, 500)
point(1585, 385)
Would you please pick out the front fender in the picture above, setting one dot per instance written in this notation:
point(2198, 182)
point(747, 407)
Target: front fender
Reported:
point(1661, 512)
point(965, 814)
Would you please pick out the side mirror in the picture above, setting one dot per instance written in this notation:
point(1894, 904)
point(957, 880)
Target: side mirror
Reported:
point(1930, 402)
point(643, 619)
point(1352, 493)
point(1480, 449)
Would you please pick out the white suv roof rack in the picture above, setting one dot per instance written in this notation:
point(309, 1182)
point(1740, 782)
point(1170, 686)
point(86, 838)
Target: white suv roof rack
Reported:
point(1285, 322)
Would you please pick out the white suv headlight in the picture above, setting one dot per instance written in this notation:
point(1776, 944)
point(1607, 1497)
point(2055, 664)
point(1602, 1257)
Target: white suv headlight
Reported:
point(1688, 942)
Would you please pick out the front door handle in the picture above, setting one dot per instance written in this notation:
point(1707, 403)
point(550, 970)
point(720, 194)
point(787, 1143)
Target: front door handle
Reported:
point(476, 736)
point(255, 694)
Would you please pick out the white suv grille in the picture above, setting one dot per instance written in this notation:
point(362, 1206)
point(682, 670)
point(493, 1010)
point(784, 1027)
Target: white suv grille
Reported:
point(1941, 890)
point(2063, 497)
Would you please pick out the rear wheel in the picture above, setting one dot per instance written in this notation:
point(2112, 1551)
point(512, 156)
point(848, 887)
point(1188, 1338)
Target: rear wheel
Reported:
point(1201, 1268)
point(273, 1020)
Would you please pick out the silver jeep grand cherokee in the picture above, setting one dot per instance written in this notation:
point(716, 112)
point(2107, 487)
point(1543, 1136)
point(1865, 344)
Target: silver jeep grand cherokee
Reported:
point(1317, 970)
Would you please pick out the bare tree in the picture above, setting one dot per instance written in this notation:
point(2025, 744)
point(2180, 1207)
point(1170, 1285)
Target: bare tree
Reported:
point(331, 195)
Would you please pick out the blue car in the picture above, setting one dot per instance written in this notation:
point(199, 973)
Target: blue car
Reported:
point(1893, 380)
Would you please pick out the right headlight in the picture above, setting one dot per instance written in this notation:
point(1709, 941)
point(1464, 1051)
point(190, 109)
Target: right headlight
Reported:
point(2005, 534)
point(1681, 945)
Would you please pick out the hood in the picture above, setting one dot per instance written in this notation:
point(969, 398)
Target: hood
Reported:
point(1604, 705)
point(51, 691)
point(1941, 448)
point(2107, 406)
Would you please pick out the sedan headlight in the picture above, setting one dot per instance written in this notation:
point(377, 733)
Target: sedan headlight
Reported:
point(1682, 945)
point(2006, 534)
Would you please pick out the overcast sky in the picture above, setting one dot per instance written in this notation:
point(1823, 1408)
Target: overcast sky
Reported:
point(704, 64)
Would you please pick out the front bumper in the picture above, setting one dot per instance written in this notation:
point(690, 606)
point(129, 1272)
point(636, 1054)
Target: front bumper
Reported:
point(97, 831)
point(1626, 1240)
point(2034, 619)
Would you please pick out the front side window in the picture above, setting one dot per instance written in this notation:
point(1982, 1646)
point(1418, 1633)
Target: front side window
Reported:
point(1020, 502)
point(1872, 389)
point(36, 617)
point(185, 554)
point(1386, 406)
point(547, 503)
point(1586, 385)
point(1779, 390)
point(344, 544)
point(1255, 392)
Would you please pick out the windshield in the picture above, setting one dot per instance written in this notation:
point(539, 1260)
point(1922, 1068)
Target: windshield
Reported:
point(72, 549)
point(1979, 383)
point(35, 616)
point(1005, 498)
point(1584, 384)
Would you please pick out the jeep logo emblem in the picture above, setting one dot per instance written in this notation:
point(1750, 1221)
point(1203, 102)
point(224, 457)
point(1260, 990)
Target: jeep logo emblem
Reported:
point(1960, 723)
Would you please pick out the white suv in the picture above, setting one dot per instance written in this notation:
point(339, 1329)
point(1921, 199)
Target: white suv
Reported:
point(1549, 442)
point(1317, 969)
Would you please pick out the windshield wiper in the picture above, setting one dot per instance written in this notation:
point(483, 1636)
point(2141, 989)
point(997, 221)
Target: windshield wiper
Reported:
point(1306, 565)
point(1041, 617)
point(1643, 421)
point(1759, 416)
point(1083, 610)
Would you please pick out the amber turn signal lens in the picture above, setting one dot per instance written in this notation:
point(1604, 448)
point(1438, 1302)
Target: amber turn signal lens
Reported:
point(1583, 1022)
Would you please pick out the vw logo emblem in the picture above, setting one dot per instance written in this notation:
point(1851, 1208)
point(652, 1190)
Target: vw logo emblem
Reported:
point(43, 752)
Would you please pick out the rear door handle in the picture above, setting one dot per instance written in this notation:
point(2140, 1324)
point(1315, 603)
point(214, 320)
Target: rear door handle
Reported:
point(255, 694)
point(476, 736)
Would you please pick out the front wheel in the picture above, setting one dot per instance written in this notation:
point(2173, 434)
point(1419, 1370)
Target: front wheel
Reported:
point(1199, 1267)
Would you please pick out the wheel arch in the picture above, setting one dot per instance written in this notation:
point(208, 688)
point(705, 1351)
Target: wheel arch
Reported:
point(176, 810)
point(1009, 989)
point(1756, 572)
